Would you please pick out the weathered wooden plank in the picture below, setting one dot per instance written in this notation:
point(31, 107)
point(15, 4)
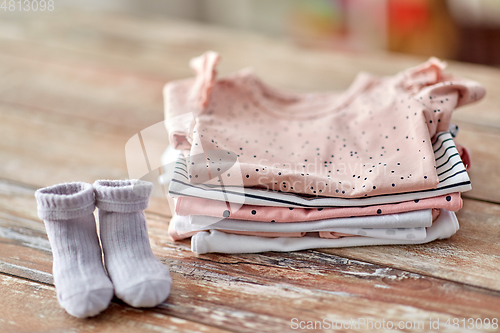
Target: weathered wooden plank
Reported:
point(86, 96)
point(258, 292)
point(95, 98)
point(166, 56)
point(270, 290)
point(29, 306)
point(448, 259)
point(265, 292)
point(473, 250)
point(46, 150)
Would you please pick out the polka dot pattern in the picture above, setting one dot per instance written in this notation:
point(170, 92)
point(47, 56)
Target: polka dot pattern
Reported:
point(372, 139)
point(197, 206)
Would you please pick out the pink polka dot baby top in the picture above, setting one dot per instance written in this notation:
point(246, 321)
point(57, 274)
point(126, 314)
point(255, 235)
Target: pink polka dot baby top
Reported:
point(372, 139)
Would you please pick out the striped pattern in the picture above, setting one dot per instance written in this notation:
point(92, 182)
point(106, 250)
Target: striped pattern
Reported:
point(451, 173)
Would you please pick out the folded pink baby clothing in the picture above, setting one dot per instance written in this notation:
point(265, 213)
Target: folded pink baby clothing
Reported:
point(373, 139)
point(373, 165)
point(451, 172)
point(196, 206)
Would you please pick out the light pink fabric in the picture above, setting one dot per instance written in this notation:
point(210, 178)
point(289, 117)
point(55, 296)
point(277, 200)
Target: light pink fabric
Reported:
point(464, 155)
point(373, 139)
point(334, 235)
point(195, 206)
point(179, 236)
point(435, 213)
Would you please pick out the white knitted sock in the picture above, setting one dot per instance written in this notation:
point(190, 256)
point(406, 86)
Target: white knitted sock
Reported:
point(139, 278)
point(83, 288)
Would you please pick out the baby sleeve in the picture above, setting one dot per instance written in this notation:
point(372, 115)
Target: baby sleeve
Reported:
point(186, 99)
point(204, 68)
point(439, 93)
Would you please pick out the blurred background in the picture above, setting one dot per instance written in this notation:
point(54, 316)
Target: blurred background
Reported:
point(464, 30)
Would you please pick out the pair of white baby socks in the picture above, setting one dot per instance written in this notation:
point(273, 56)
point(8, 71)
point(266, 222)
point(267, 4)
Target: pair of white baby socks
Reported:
point(134, 274)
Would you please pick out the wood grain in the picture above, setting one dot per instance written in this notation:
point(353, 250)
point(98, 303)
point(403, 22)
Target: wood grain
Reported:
point(476, 243)
point(97, 99)
point(75, 88)
point(449, 259)
point(29, 306)
point(247, 292)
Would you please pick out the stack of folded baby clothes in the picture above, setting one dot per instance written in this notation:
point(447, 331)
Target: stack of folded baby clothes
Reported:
point(252, 168)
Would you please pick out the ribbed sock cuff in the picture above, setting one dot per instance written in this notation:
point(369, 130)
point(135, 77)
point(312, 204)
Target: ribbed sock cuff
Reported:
point(122, 196)
point(65, 201)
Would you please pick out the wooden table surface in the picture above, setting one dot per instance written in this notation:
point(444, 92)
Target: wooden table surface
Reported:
point(75, 87)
